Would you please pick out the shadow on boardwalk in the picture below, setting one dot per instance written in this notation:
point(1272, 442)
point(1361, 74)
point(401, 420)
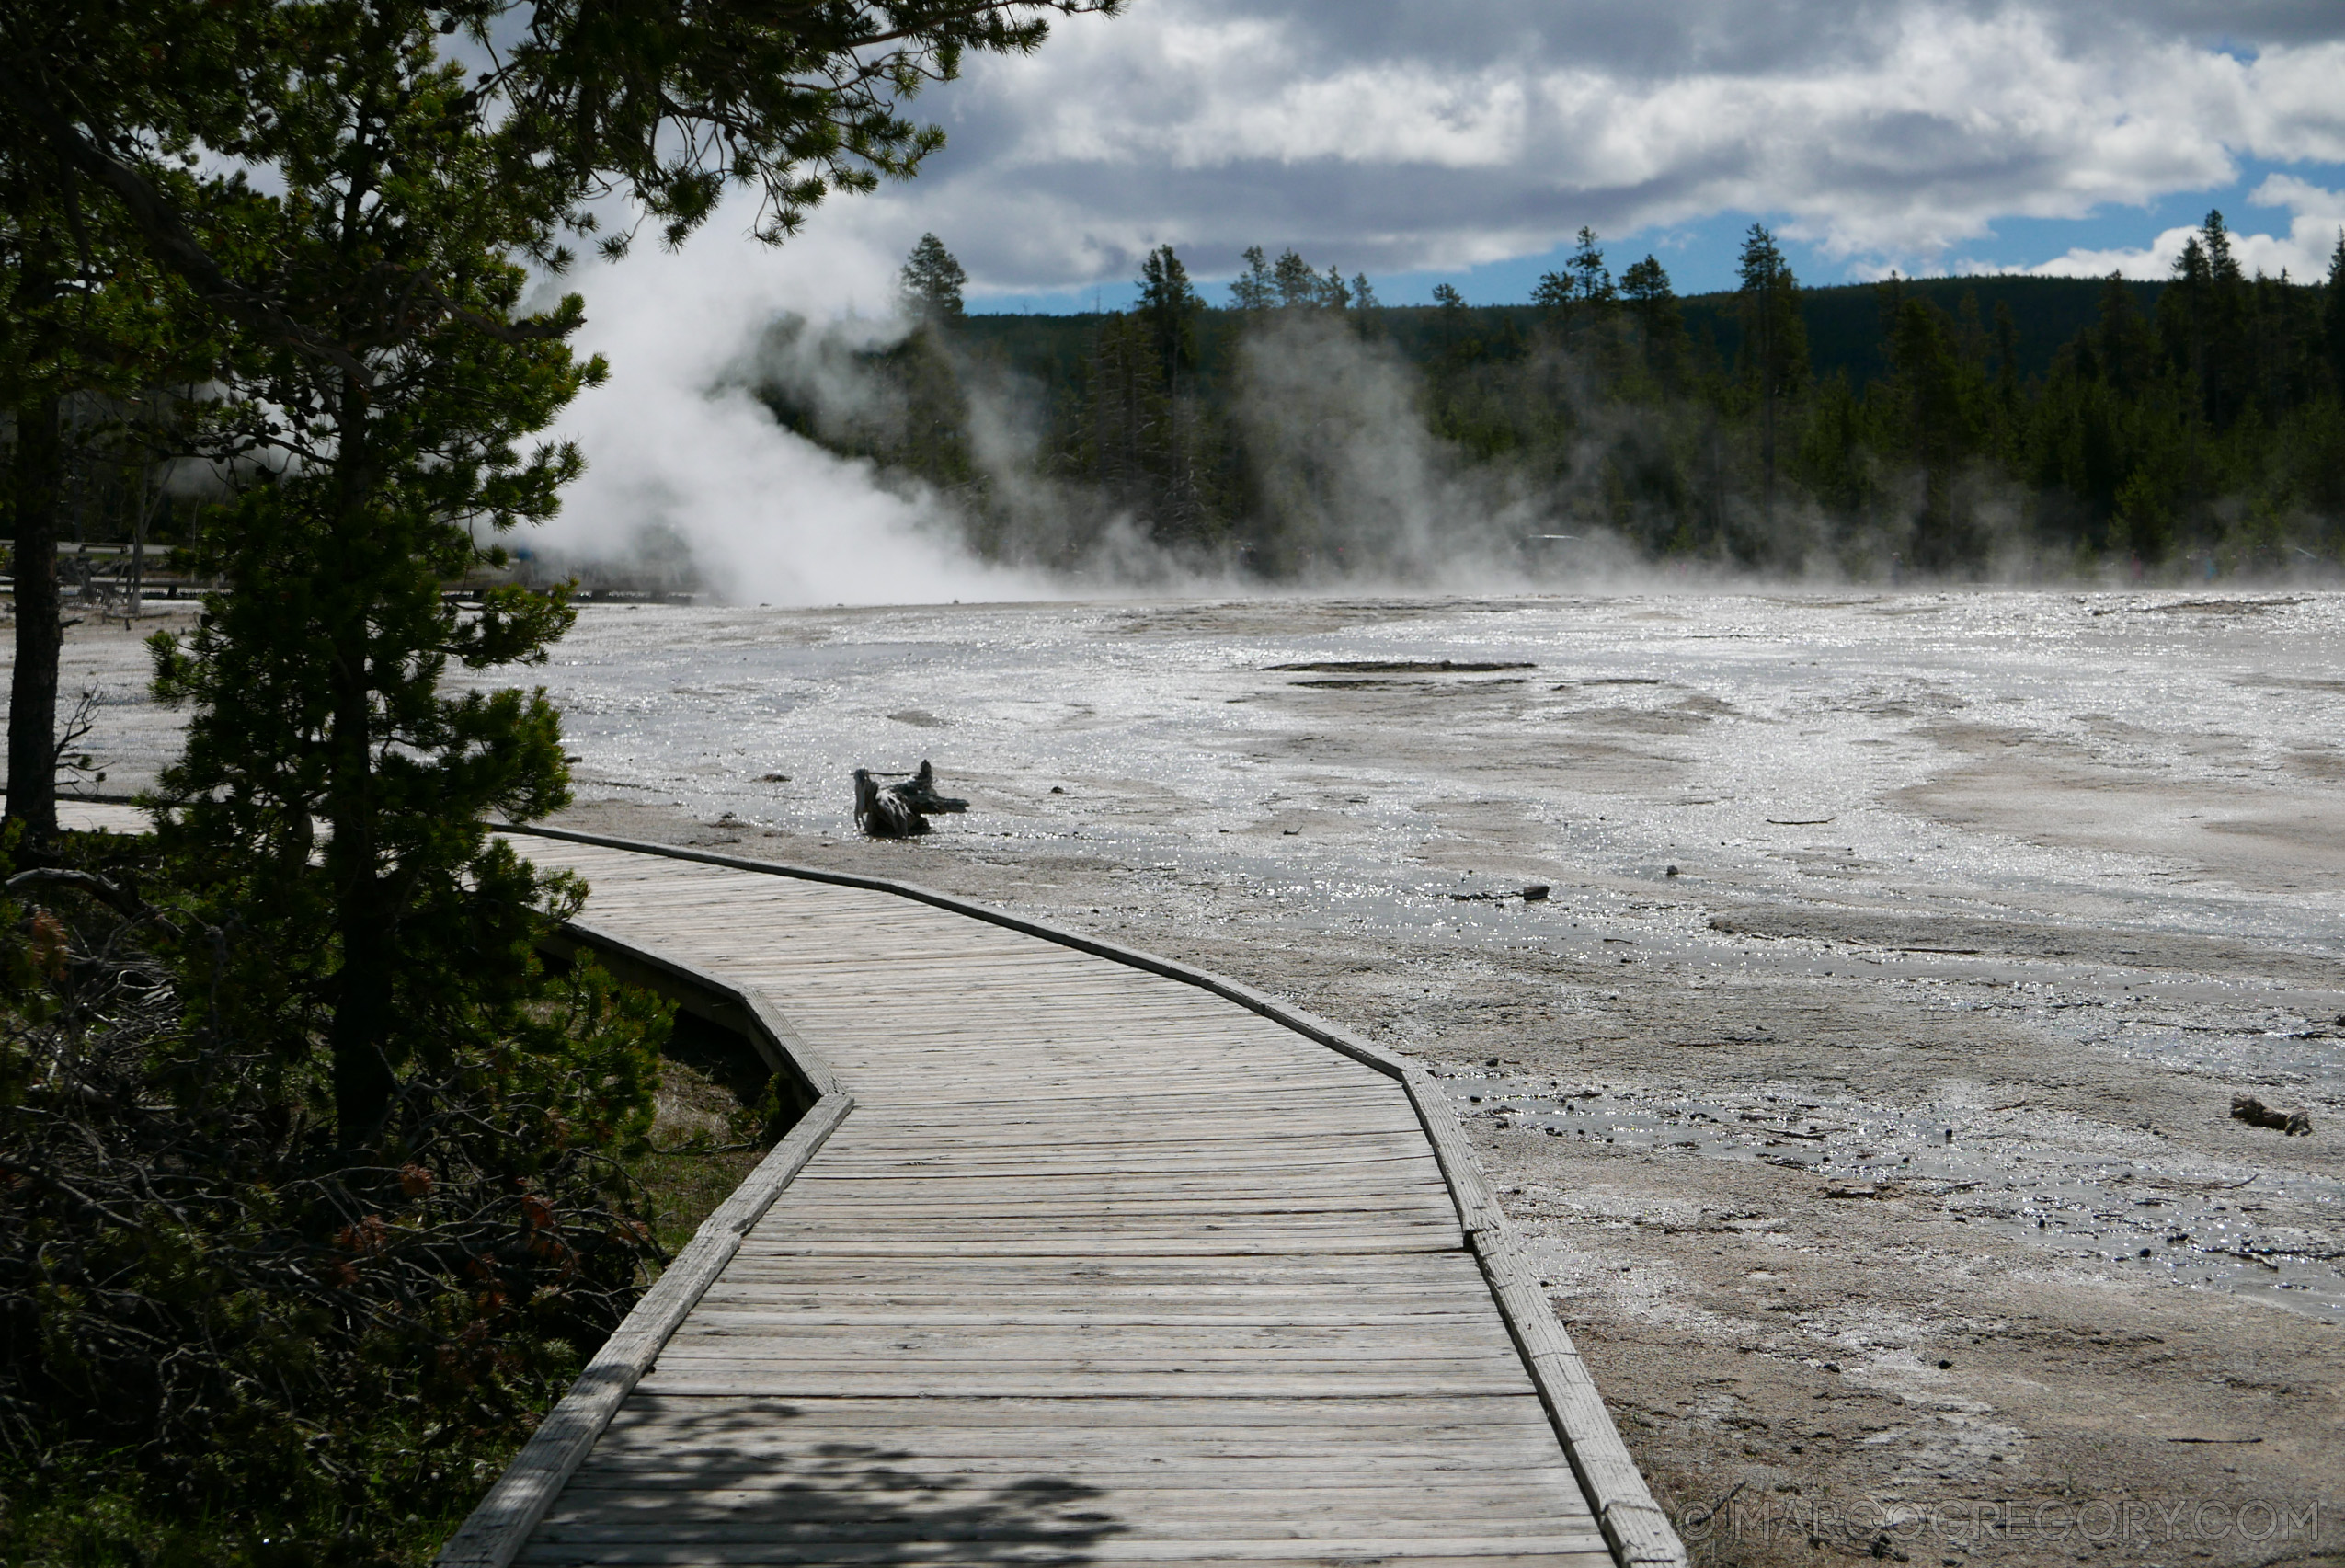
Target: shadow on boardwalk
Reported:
point(738, 1485)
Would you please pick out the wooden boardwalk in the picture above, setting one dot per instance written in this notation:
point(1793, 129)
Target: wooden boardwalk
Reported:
point(1072, 1263)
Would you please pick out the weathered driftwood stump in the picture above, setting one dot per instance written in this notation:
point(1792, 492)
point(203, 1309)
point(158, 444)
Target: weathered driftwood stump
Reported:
point(920, 792)
point(2255, 1113)
point(899, 810)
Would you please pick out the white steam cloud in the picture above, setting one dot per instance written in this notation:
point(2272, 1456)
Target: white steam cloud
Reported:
point(694, 483)
point(687, 472)
point(1366, 490)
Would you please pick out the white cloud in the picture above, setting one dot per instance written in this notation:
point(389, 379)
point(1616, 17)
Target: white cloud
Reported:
point(1397, 136)
point(2300, 197)
point(2304, 253)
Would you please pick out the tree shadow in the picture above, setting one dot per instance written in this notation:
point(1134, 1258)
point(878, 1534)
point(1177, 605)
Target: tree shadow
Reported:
point(748, 1481)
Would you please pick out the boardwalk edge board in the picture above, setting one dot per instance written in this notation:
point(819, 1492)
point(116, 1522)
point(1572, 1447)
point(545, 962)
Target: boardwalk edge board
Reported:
point(776, 1040)
point(1635, 1527)
point(497, 1530)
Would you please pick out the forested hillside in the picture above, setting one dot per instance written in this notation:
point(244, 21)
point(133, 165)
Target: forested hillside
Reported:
point(1998, 426)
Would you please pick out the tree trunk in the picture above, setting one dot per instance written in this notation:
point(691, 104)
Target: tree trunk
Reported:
point(32, 686)
point(140, 515)
point(366, 916)
point(1771, 373)
point(366, 900)
point(364, 1083)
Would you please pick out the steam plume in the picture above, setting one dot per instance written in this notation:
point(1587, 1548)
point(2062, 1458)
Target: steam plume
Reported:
point(687, 472)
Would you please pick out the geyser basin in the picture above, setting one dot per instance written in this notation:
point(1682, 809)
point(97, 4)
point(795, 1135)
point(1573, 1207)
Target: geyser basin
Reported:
point(1793, 839)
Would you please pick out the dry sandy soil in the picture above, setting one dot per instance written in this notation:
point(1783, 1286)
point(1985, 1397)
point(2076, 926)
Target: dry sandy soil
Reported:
point(1896, 1219)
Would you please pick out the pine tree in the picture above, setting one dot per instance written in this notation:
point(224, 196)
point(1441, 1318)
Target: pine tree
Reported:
point(2333, 317)
point(2124, 348)
point(1775, 342)
point(85, 388)
point(88, 319)
point(2228, 375)
point(315, 676)
point(2009, 416)
point(1127, 415)
point(1169, 306)
point(1578, 298)
point(1299, 287)
point(2193, 315)
point(2006, 355)
point(1661, 323)
point(1253, 290)
point(1937, 388)
point(2222, 266)
point(930, 283)
point(1591, 280)
point(37, 381)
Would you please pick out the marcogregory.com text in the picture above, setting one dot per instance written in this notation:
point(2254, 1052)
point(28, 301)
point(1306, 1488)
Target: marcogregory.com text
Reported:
point(1879, 1525)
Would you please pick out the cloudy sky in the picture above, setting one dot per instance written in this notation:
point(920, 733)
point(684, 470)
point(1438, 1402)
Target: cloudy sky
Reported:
point(1467, 140)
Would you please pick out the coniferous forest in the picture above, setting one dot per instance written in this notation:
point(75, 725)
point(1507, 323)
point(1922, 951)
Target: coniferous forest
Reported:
point(1998, 427)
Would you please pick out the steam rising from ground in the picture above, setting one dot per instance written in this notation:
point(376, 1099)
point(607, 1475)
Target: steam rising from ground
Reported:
point(1365, 488)
point(1351, 487)
point(690, 481)
point(693, 483)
